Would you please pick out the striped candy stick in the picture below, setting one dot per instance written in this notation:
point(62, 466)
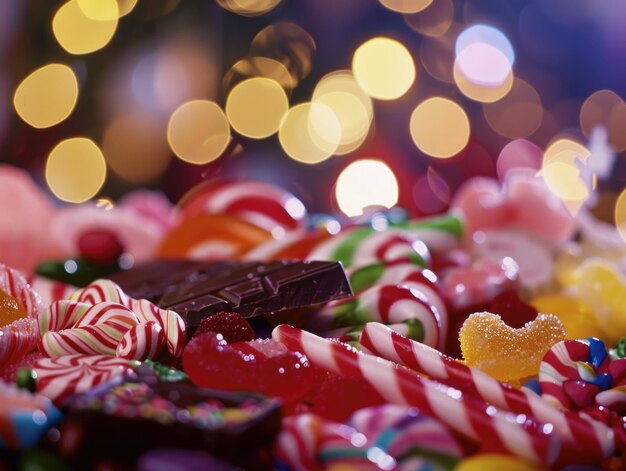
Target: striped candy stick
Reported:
point(580, 434)
point(470, 417)
point(389, 304)
point(145, 340)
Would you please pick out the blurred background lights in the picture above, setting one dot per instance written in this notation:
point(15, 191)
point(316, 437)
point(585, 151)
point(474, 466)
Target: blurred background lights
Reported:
point(135, 147)
point(384, 68)
point(310, 133)
point(519, 153)
point(47, 96)
point(75, 170)
point(561, 170)
point(287, 43)
point(248, 7)
point(518, 114)
point(439, 127)
point(365, 183)
point(434, 20)
point(198, 131)
point(481, 92)
point(256, 106)
point(605, 108)
point(251, 67)
point(353, 108)
point(79, 34)
point(103, 10)
point(484, 55)
point(406, 6)
point(620, 214)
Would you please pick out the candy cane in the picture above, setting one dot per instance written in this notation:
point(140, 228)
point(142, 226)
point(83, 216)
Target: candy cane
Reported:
point(60, 378)
point(579, 434)
point(389, 304)
point(472, 418)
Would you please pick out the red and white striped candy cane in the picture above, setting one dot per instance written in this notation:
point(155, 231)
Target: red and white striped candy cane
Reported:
point(472, 418)
point(60, 378)
point(17, 339)
point(389, 304)
point(145, 340)
point(580, 434)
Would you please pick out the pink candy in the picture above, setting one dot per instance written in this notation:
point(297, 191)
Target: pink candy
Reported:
point(523, 202)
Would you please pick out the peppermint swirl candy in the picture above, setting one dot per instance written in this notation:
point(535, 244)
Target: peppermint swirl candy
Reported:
point(60, 378)
point(172, 324)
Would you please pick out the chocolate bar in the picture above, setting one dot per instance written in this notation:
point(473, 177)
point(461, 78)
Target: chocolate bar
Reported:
point(196, 290)
point(239, 428)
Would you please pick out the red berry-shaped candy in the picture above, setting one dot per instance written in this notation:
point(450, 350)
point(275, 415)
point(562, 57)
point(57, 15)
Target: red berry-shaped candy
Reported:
point(100, 246)
point(232, 326)
point(264, 366)
point(513, 311)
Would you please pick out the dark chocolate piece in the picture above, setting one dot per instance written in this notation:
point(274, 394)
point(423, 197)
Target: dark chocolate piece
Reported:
point(198, 290)
point(122, 421)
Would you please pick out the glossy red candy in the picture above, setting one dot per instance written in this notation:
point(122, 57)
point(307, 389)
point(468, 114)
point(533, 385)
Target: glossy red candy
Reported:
point(232, 326)
point(263, 366)
point(100, 246)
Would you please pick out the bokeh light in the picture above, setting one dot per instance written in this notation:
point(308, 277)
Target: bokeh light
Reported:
point(605, 108)
point(518, 114)
point(256, 106)
point(310, 133)
point(126, 6)
point(384, 68)
point(365, 183)
point(251, 67)
point(340, 91)
point(79, 34)
point(75, 170)
point(519, 153)
point(561, 170)
point(484, 55)
point(620, 214)
point(439, 127)
point(198, 131)
point(249, 7)
point(406, 6)
point(135, 147)
point(102, 10)
point(47, 96)
point(289, 44)
point(434, 20)
point(437, 54)
point(480, 92)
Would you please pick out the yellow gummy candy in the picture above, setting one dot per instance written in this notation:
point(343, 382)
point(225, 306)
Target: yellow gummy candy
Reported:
point(576, 316)
point(604, 290)
point(505, 353)
point(495, 462)
point(10, 309)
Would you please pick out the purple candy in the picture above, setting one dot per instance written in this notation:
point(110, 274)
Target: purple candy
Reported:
point(176, 459)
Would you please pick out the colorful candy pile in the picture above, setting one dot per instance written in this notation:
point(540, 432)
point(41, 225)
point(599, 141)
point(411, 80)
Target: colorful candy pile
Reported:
point(490, 337)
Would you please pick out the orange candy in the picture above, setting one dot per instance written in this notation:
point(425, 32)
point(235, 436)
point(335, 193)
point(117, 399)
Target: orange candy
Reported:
point(506, 353)
point(212, 237)
point(10, 309)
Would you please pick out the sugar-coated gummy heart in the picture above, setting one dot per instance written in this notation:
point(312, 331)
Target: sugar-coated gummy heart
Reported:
point(265, 366)
point(506, 353)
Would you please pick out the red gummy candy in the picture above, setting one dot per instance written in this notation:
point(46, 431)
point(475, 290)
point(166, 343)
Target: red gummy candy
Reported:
point(337, 398)
point(232, 326)
point(100, 246)
point(513, 311)
point(263, 366)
